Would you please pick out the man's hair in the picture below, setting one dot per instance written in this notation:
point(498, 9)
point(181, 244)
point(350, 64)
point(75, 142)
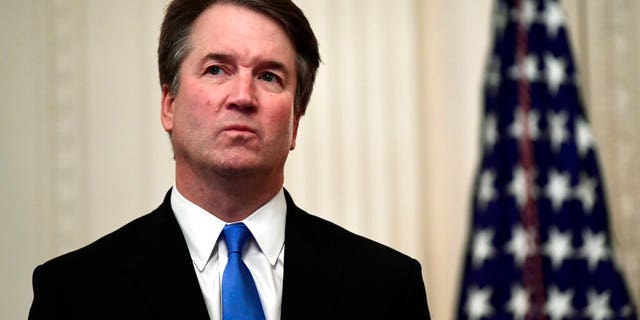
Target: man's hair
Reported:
point(174, 44)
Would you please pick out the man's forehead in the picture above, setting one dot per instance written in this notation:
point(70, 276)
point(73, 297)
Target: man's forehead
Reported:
point(237, 19)
point(238, 31)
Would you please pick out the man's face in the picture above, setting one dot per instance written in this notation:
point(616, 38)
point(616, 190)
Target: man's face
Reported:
point(233, 112)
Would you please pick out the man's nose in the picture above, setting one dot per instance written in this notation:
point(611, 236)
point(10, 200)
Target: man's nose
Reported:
point(242, 94)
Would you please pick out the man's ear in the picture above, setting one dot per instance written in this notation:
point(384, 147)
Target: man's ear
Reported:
point(296, 121)
point(166, 112)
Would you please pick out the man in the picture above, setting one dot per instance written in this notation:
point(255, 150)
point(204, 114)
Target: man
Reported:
point(236, 77)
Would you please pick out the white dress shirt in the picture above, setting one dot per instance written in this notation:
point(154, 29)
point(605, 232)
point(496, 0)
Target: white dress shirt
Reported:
point(263, 254)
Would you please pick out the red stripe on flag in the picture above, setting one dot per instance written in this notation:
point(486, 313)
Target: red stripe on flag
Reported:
point(532, 272)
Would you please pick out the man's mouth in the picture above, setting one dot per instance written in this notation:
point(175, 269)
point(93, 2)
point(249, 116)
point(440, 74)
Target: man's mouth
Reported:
point(239, 128)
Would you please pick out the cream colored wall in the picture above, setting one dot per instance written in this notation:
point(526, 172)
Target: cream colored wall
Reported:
point(387, 149)
point(22, 173)
point(454, 41)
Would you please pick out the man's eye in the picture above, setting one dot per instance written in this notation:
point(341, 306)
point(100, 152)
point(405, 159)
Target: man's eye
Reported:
point(269, 77)
point(214, 70)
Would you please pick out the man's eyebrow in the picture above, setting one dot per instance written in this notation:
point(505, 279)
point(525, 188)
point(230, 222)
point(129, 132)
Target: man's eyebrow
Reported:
point(218, 57)
point(267, 64)
point(274, 65)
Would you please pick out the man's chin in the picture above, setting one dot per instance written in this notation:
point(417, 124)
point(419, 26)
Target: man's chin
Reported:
point(237, 168)
point(237, 171)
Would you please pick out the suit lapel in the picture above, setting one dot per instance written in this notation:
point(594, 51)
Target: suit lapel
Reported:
point(311, 269)
point(163, 270)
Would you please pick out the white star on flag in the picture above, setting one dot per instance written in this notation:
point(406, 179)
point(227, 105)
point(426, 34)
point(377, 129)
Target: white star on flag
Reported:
point(501, 18)
point(517, 127)
point(518, 305)
point(530, 67)
point(478, 305)
point(558, 133)
point(554, 72)
point(558, 304)
point(626, 311)
point(521, 245)
point(584, 137)
point(586, 192)
point(598, 307)
point(558, 247)
point(490, 132)
point(482, 247)
point(493, 77)
point(518, 187)
point(558, 189)
point(593, 248)
point(553, 18)
point(529, 13)
point(486, 190)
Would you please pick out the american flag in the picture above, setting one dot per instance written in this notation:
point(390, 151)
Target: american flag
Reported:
point(539, 244)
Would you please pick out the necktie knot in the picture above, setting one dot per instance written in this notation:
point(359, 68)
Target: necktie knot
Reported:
point(236, 236)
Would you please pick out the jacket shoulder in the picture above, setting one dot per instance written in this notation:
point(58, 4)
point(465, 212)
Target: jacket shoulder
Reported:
point(107, 247)
point(357, 246)
point(368, 280)
point(83, 279)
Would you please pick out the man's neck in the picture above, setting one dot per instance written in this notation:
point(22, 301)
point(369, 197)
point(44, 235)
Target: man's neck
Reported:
point(229, 198)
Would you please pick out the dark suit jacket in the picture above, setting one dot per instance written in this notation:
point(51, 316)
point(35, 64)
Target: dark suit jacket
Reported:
point(144, 271)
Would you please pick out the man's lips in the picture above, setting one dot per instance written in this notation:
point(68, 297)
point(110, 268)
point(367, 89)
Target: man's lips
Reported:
point(239, 128)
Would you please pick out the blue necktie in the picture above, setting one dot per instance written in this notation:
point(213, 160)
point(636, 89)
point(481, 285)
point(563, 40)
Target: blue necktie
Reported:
point(240, 299)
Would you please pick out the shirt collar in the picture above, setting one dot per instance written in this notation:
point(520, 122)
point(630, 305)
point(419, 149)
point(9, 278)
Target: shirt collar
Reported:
point(202, 229)
point(267, 225)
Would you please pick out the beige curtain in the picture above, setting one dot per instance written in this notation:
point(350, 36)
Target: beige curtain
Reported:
point(388, 148)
